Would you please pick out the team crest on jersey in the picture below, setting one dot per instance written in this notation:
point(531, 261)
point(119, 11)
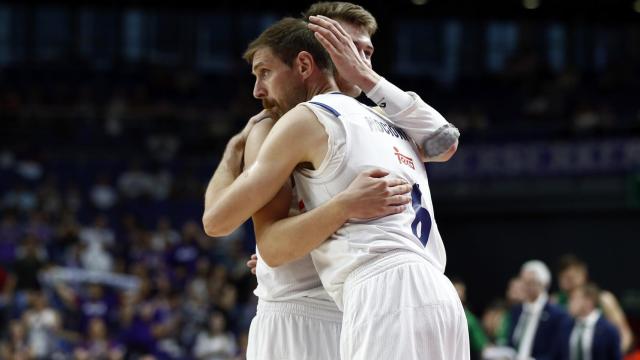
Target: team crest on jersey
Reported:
point(404, 159)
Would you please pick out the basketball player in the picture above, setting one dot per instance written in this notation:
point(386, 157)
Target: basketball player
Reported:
point(390, 268)
point(296, 318)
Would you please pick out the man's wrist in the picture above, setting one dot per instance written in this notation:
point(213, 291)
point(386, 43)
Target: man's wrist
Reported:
point(341, 206)
point(368, 80)
point(389, 97)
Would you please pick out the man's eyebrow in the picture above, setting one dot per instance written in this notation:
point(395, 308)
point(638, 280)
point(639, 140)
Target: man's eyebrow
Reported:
point(256, 65)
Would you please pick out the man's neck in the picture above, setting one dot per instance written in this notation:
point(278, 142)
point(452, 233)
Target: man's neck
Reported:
point(321, 86)
point(590, 316)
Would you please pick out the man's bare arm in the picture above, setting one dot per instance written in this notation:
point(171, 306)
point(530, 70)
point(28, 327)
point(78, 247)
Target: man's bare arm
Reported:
point(295, 138)
point(229, 168)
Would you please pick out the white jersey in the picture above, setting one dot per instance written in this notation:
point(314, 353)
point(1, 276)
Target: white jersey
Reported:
point(294, 280)
point(360, 139)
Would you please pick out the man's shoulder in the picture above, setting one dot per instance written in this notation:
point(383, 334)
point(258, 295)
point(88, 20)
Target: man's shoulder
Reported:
point(554, 308)
point(606, 326)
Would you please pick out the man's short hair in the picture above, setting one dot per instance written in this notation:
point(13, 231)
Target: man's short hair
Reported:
point(287, 38)
point(540, 270)
point(344, 11)
point(569, 261)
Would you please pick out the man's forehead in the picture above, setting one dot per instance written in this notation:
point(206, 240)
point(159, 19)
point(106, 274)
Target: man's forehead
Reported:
point(263, 56)
point(359, 34)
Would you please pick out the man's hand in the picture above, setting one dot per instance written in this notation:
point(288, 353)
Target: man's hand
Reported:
point(241, 138)
point(252, 263)
point(339, 44)
point(371, 195)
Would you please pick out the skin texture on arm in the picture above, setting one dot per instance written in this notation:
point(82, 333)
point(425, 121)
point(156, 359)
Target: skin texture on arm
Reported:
point(612, 310)
point(228, 170)
point(282, 239)
point(296, 138)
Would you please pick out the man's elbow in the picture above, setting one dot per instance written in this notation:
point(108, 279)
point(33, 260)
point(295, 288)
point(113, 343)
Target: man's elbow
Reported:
point(445, 156)
point(449, 153)
point(273, 260)
point(214, 225)
point(273, 257)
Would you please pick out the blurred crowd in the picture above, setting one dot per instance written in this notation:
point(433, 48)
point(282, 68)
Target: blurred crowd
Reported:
point(103, 270)
point(579, 320)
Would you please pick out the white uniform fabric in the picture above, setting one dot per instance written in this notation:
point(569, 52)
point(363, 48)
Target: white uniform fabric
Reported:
point(295, 280)
point(361, 139)
point(294, 330)
point(386, 274)
point(423, 319)
point(296, 318)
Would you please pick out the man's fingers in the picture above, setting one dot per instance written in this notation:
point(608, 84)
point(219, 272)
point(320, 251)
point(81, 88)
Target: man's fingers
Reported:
point(326, 44)
point(395, 209)
point(398, 200)
point(400, 189)
point(376, 173)
point(327, 34)
point(336, 25)
point(254, 256)
point(392, 182)
point(331, 25)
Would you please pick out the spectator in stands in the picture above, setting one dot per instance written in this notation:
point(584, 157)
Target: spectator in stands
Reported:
point(10, 234)
point(73, 200)
point(96, 304)
point(31, 258)
point(592, 335)
point(188, 250)
point(7, 285)
point(16, 347)
point(573, 274)
point(20, 197)
point(40, 226)
point(66, 236)
point(98, 239)
point(49, 197)
point(103, 195)
point(496, 319)
point(143, 331)
point(135, 182)
point(538, 327)
point(98, 345)
point(477, 338)
point(216, 343)
point(43, 324)
point(164, 236)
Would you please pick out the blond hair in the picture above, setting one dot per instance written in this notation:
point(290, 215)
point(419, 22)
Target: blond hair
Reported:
point(344, 11)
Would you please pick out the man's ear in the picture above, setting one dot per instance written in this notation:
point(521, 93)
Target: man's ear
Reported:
point(305, 64)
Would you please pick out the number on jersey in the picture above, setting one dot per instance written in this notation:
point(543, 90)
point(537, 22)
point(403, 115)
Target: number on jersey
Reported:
point(421, 225)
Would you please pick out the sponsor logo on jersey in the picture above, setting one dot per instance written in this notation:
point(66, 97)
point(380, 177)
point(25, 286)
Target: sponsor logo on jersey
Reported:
point(404, 159)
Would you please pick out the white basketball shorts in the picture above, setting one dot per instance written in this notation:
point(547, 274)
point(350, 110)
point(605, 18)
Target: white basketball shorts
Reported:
point(295, 330)
point(400, 307)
